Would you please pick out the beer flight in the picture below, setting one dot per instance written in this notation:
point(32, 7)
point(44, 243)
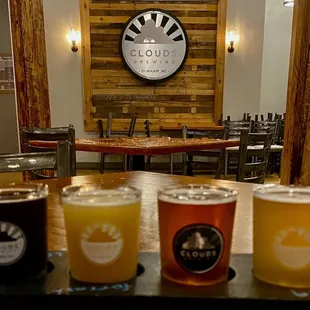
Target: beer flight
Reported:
point(195, 228)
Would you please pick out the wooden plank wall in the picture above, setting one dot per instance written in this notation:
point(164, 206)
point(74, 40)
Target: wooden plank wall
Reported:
point(188, 98)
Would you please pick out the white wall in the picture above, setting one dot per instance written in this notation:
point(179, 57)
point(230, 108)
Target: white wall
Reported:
point(277, 42)
point(65, 69)
point(243, 68)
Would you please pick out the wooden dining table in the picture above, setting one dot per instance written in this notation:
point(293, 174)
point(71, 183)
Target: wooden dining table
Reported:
point(149, 184)
point(143, 146)
point(139, 147)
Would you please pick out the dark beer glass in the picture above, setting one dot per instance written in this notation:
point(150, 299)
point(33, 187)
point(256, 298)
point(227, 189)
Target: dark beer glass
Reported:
point(23, 232)
point(195, 225)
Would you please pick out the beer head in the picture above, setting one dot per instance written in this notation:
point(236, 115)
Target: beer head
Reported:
point(97, 196)
point(283, 194)
point(198, 195)
point(22, 192)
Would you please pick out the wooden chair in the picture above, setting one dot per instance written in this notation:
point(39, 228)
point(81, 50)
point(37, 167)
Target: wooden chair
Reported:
point(253, 156)
point(149, 157)
point(271, 126)
point(49, 134)
point(218, 155)
point(127, 162)
point(233, 131)
point(59, 161)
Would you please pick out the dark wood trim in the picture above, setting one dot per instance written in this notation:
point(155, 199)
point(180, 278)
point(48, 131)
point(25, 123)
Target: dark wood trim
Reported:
point(220, 60)
point(296, 153)
point(29, 50)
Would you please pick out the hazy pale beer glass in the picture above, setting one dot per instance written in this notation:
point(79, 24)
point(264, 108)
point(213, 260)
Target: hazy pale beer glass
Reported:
point(102, 232)
point(196, 223)
point(282, 235)
point(23, 231)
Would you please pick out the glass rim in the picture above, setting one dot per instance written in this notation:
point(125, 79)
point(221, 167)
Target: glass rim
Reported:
point(230, 194)
point(266, 192)
point(274, 188)
point(68, 190)
point(26, 192)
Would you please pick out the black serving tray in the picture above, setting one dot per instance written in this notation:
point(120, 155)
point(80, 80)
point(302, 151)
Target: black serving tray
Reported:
point(59, 290)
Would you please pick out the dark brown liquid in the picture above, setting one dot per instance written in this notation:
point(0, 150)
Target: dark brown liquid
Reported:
point(23, 239)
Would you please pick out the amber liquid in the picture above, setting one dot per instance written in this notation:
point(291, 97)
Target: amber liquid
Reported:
point(282, 242)
point(173, 217)
point(103, 241)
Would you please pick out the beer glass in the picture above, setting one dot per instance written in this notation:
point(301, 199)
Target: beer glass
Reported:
point(23, 232)
point(195, 225)
point(102, 227)
point(281, 240)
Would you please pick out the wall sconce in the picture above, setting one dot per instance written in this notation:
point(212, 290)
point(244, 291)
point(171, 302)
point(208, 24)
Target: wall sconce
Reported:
point(231, 39)
point(288, 3)
point(74, 38)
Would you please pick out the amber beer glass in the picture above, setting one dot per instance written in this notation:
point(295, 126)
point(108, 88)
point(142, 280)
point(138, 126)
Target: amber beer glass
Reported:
point(23, 232)
point(195, 224)
point(282, 235)
point(102, 227)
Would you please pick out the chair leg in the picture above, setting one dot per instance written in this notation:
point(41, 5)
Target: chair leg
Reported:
point(148, 163)
point(130, 162)
point(184, 155)
point(226, 164)
point(125, 163)
point(102, 162)
point(171, 164)
point(219, 169)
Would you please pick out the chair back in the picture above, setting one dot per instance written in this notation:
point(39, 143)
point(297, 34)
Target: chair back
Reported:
point(50, 134)
point(211, 134)
point(109, 125)
point(253, 156)
point(266, 127)
point(233, 128)
point(59, 161)
point(132, 125)
point(109, 132)
point(147, 128)
point(280, 133)
point(100, 128)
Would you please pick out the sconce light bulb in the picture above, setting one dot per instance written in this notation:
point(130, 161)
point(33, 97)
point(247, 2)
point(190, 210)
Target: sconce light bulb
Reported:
point(73, 38)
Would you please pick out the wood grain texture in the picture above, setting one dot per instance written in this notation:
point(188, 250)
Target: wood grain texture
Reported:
point(296, 153)
point(149, 184)
point(111, 82)
point(28, 38)
point(143, 146)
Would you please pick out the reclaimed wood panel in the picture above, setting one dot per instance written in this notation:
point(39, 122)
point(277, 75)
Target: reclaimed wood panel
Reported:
point(164, 6)
point(188, 98)
point(30, 63)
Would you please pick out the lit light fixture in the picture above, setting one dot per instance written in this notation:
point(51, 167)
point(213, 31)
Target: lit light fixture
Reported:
point(288, 3)
point(74, 38)
point(231, 39)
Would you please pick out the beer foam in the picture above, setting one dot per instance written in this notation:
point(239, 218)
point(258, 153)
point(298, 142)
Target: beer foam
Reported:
point(101, 198)
point(283, 194)
point(198, 196)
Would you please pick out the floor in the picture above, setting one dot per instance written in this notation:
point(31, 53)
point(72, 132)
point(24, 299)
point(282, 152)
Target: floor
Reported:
point(17, 177)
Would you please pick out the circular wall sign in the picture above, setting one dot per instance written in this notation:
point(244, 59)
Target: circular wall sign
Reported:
point(154, 45)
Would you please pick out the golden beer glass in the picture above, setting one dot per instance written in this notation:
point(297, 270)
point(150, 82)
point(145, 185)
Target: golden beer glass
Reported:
point(195, 225)
point(102, 228)
point(281, 236)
